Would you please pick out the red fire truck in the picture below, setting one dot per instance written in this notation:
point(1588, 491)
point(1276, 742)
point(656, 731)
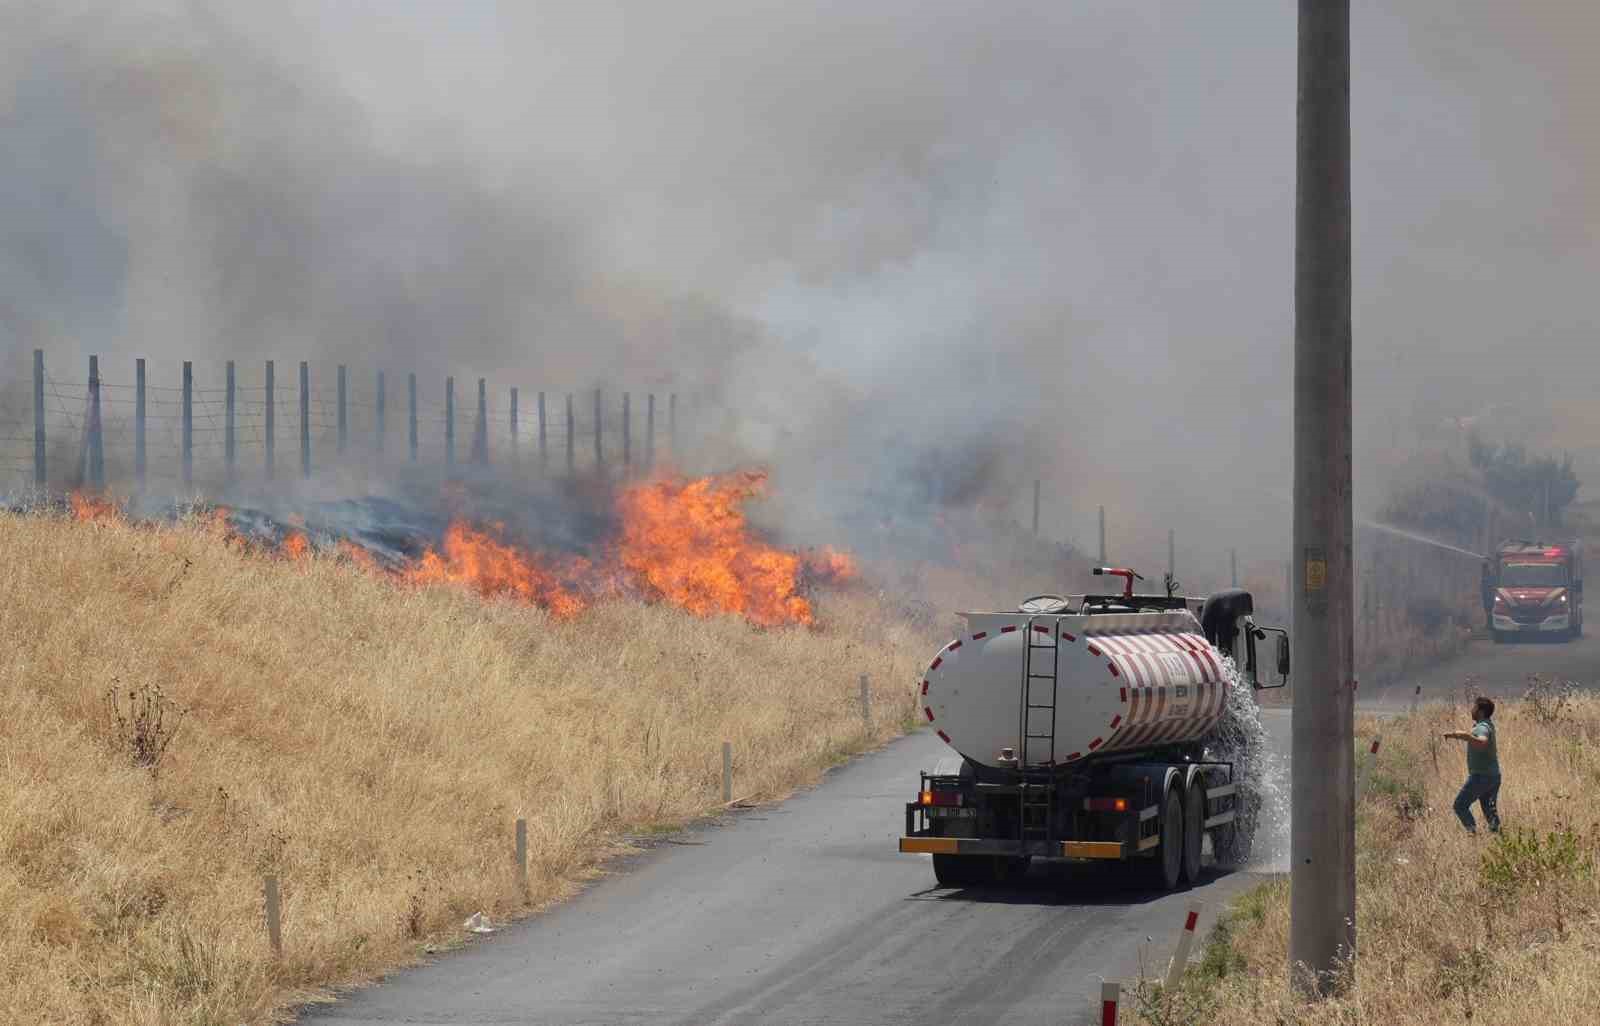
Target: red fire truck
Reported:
point(1538, 590)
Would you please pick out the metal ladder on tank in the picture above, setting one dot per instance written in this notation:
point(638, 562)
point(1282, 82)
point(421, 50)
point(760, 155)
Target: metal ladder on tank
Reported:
point(1035, 785)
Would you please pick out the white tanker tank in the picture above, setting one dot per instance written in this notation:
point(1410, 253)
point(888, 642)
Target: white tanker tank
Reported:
point(1095, 685)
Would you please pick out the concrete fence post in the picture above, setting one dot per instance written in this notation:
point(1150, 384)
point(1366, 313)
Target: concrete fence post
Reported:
point(650, 432)
point(450, 421)
point(39, 478)
point(727, 772)
point(188, 423)
point(344, 422)
point(866, 704)
point(544, 451)
point(97, 451)
point(411, 392)
point(269, 437)
point(480, 433)
point(305, 419)
point(140, 453)
point(572, 438)
point(274, 916)
point(229, 443)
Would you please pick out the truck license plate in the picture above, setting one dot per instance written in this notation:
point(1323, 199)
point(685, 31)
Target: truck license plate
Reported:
point(938, 812)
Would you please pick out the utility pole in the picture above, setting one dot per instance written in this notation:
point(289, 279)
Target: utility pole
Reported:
point(1233, 566)
point(1172, 552)
point(1322, 836)
point(1102, 536)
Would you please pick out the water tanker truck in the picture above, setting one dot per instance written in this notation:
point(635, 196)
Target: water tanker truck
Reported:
point(1089, 727)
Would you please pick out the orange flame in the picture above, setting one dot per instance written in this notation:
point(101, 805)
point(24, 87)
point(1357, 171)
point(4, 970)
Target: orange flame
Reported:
point(94, 509)
point(688, 543)
point(295, 545)
point(470, 557)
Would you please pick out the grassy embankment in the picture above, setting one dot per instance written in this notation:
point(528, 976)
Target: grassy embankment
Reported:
point(1452, 928)
point(371, 746)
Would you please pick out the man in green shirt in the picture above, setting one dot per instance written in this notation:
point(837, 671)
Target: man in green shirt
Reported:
point(1483, 768)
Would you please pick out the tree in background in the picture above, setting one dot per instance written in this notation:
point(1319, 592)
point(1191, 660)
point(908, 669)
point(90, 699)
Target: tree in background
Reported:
point(1543, 486)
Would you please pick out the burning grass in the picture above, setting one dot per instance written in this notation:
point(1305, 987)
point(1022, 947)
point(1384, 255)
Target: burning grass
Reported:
point(370, 745)
point(684, 542)
point(1453, 928)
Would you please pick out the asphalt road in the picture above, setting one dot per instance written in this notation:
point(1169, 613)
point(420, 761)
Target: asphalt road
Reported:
point(1500, 671)
point(804, 912)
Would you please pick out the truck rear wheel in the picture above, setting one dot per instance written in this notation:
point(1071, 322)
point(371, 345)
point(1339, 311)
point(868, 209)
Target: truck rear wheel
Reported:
point(1194, 828)
point(959, 870)
point(1166, 867)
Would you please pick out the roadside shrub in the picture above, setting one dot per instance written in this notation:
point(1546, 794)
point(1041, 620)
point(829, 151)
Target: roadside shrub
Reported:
point(1546, 698)
point(143, 723)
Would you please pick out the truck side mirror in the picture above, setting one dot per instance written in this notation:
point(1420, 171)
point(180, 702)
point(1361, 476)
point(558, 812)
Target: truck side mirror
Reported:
point(1283, 655)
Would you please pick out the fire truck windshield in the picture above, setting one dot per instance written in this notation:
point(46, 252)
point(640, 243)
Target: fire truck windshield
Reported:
point(1533, 575)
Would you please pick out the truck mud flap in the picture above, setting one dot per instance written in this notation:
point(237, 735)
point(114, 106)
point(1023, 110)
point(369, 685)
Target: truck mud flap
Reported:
point(991, 846)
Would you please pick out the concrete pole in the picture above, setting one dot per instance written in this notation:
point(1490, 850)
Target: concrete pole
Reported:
point(1102, 536)
point(1233, 566)
point(1172, 552)
point(1322, 834)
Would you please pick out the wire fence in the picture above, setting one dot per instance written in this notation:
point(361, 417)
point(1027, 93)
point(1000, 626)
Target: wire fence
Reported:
point(110, 427)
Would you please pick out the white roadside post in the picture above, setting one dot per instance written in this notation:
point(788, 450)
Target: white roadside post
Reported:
point(1367, 764)
point(274, 917)
point(1110, 998)
point(1180, 958)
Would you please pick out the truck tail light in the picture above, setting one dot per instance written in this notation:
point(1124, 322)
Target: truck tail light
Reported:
point(940, 798)
point(1105, 804)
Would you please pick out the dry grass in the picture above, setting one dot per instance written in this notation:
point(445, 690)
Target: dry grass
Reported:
point(369, 745)
point(1452, 928)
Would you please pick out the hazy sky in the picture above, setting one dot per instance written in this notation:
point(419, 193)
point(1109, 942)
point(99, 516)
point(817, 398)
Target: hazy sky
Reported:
point(919, 248)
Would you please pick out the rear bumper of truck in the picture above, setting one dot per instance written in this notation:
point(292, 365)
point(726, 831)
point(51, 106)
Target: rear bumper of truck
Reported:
point(921, 845)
